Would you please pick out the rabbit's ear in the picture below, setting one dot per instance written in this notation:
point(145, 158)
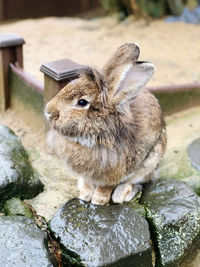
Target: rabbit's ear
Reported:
point(125, 54)
point(131, 78)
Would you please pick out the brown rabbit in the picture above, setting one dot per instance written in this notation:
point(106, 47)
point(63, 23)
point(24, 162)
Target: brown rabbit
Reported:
point(108, 128)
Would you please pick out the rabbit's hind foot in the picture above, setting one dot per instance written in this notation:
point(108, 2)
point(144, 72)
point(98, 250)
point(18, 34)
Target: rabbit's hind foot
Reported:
point(125, 192)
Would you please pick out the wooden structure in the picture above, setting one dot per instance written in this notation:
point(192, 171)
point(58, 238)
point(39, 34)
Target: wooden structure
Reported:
point(18, 88)
point(20, 9)
point(10, 52)
point(56, 75)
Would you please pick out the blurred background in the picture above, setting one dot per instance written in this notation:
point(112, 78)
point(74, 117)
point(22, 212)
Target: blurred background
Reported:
point(87, 31)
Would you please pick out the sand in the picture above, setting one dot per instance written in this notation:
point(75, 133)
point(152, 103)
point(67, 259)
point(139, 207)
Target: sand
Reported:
point(174, 48)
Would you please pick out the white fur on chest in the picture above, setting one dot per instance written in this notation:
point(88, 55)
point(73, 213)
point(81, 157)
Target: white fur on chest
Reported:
point(53, 136)
point(83, 141)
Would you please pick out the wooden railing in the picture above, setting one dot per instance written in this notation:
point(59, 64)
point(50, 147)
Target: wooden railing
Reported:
point(15, 83)
point(20, 9)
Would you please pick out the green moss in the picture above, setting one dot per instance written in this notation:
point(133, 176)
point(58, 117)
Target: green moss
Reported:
point(176, 164)
point(15, 206)
point(137, 207)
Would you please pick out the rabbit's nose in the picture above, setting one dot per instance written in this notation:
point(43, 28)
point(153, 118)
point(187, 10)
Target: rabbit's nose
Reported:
point(51, 115)
point(47, 115)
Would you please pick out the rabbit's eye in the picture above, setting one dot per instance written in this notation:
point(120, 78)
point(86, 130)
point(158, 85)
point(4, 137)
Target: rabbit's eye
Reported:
point(82, 102)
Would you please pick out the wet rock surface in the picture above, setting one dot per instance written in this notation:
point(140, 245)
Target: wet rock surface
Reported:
point(17, 178)
point(194, 183)
point(194, 153)
point(22, 243)
point(173, 213)
point(101, 235)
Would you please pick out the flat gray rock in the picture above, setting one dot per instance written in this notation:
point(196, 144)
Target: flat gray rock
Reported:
point(17, 177)
point(92, 235)
point(194, 153)
point(22, 243)
point(173, 212)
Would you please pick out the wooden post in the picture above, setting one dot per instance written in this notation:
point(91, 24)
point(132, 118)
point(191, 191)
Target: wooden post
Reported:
point(56, 75)
point(10, 52)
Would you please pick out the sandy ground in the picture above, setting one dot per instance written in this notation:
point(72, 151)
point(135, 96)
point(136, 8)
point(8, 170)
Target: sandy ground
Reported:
point(173, 48)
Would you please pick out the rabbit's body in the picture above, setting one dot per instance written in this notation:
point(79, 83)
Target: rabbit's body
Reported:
point(116, 142)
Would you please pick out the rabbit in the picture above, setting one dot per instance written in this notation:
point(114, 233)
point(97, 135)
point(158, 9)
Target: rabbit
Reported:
point(108, 128)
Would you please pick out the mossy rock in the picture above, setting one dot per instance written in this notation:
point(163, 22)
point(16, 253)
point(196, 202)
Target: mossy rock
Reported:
point(136, 207)
point(17, 177)
point(16, 206)
point(173, 213)
point(92, 235)
point(193, 182)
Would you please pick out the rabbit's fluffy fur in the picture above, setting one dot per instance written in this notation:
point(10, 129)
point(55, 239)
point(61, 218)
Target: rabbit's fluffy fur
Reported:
point(115, 138)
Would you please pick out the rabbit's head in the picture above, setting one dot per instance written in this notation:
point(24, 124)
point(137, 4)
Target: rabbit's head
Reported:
point(88, 108)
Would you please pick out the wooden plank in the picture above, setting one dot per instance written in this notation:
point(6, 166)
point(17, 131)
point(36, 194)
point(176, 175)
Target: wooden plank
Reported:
point(25, 100)
point(24, 91)
point(16, 9)
point(52, 87)
point(2, 87)
point(10, 52)
point(85, 5)
point(4, 69)
point(29, 80)
point(1, 10)
point(19, 56)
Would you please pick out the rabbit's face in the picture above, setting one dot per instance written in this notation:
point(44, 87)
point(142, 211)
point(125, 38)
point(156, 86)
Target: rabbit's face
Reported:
point(92, 107)
point(78, 107)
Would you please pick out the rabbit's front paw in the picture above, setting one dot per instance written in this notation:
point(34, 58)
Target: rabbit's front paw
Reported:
point(125, 192)
point(102, 195)
point(86, 195)
point(86, 190)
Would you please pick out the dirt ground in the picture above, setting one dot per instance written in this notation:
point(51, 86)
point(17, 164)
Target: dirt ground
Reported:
point(174, 48)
